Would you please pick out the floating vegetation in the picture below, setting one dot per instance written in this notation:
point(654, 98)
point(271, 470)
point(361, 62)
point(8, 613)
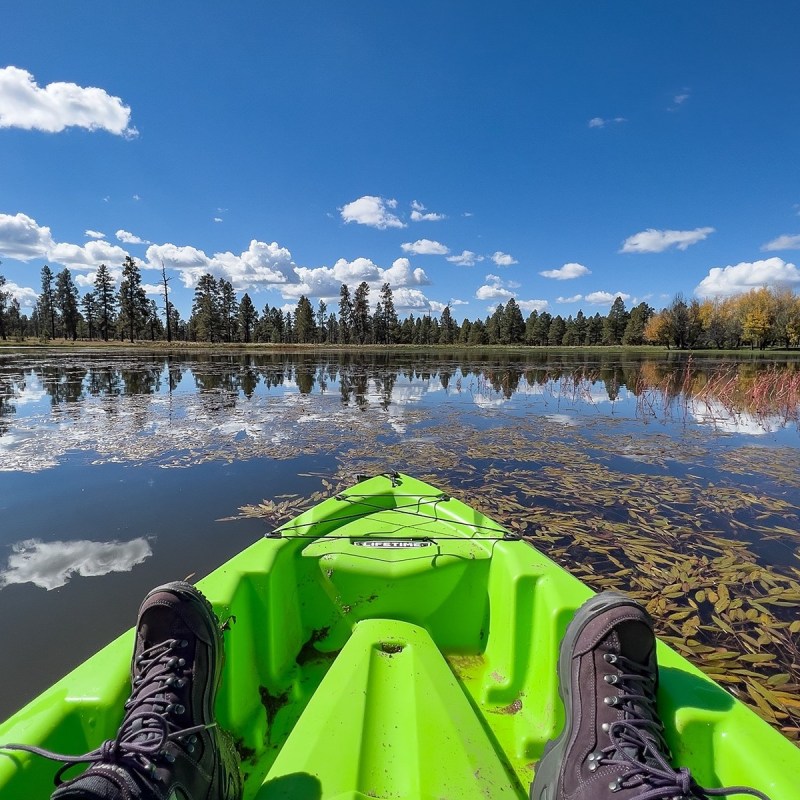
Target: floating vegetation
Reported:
point(717, 562)
point(684, 512)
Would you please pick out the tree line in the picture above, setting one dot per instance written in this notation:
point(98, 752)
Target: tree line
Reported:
point(760, 318)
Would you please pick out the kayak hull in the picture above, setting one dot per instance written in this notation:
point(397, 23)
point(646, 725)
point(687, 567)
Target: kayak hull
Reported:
point(391, 642)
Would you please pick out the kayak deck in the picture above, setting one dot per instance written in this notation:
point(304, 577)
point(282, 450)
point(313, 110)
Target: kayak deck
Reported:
point(391, 643)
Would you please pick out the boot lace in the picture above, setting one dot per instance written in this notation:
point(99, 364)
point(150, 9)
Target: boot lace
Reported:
point(146, 729)
point(639, 748)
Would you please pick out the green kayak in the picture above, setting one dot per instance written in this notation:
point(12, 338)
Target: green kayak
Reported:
point(391, 642)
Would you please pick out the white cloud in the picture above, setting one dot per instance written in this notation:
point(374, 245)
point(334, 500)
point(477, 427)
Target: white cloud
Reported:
point(655, 241)
point(788, 241)
point(155, 288)
point(679, 99)
point(567, 272)
point(136, 197)
point(605, 298)
point(128, 238)
point(458, 303)
point(425, 247)
point(326, 281)
point(466, 259)
point(217, 219)
point(92, 254)
point(24, 294)
point(261, 265)
point(742, 277)
point(24, 104)
point(493, 292)
point(51, 564)
point(23, 239)
point(408, 300)
point(504, 259)
point(94, 234)
point(532, 305)
point(371, 210)
point(494, 289)
point(600, 122)
point(420, 214)
point(576, 298)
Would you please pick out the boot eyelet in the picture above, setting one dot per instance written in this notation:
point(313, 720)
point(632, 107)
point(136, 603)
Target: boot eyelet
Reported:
point(606, 727)
point(181, 662)
point(612, 679)
point(611, 700)
point(615, 785)
point(610, 658)
point(184, 643)
point(593, 760)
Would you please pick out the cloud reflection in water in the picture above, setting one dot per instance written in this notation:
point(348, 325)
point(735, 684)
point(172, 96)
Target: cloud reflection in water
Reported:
point(51, 564)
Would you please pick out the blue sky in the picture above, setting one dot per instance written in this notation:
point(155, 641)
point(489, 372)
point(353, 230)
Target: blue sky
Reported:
point(559, 153)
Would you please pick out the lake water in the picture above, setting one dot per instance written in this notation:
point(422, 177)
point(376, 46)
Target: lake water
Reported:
point(662, 477)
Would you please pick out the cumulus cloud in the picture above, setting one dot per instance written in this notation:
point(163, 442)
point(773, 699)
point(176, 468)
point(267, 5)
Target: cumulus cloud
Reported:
point(24, 104)
point(604, 298)
point(655, 241)
point(90, 255)
point(94, 234)
point(466, 259)
point(326, 281)
point(155, 289)
point(425, 247)
point(23, 294)
point(372, 211)
point(493, 289)
point(742, 277)
point(532, 305)
point(261, 265)
point(576, 298)
point(504, 259)
point(23, 239)
point(420, 214)
point(787, 241)
point(128, 238)
point(409, 300)
point(567, 272)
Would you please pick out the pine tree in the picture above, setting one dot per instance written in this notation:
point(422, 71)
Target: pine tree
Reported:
point(133, 305)
point(4, 296)
point(89, 306)
point(345, 315)
point(390, 321)
point(512, 326)
point(322, 317)
point(447, 327)
point(634, 330)
point(615, 323)
point(66, 298)
point(47, 306)
point(361, 318)
point(248, 318)
point(304, 327)
point(228, 310)
point(205, 309)
point(106, 303)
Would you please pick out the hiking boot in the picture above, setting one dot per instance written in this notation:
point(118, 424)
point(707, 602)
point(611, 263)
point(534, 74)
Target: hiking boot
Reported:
point(168, 745)
point(612, 746)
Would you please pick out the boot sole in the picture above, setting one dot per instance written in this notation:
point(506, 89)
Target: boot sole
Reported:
point(545, 779)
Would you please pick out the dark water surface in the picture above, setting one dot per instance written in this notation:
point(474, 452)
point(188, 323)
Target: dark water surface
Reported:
point(116, 467)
